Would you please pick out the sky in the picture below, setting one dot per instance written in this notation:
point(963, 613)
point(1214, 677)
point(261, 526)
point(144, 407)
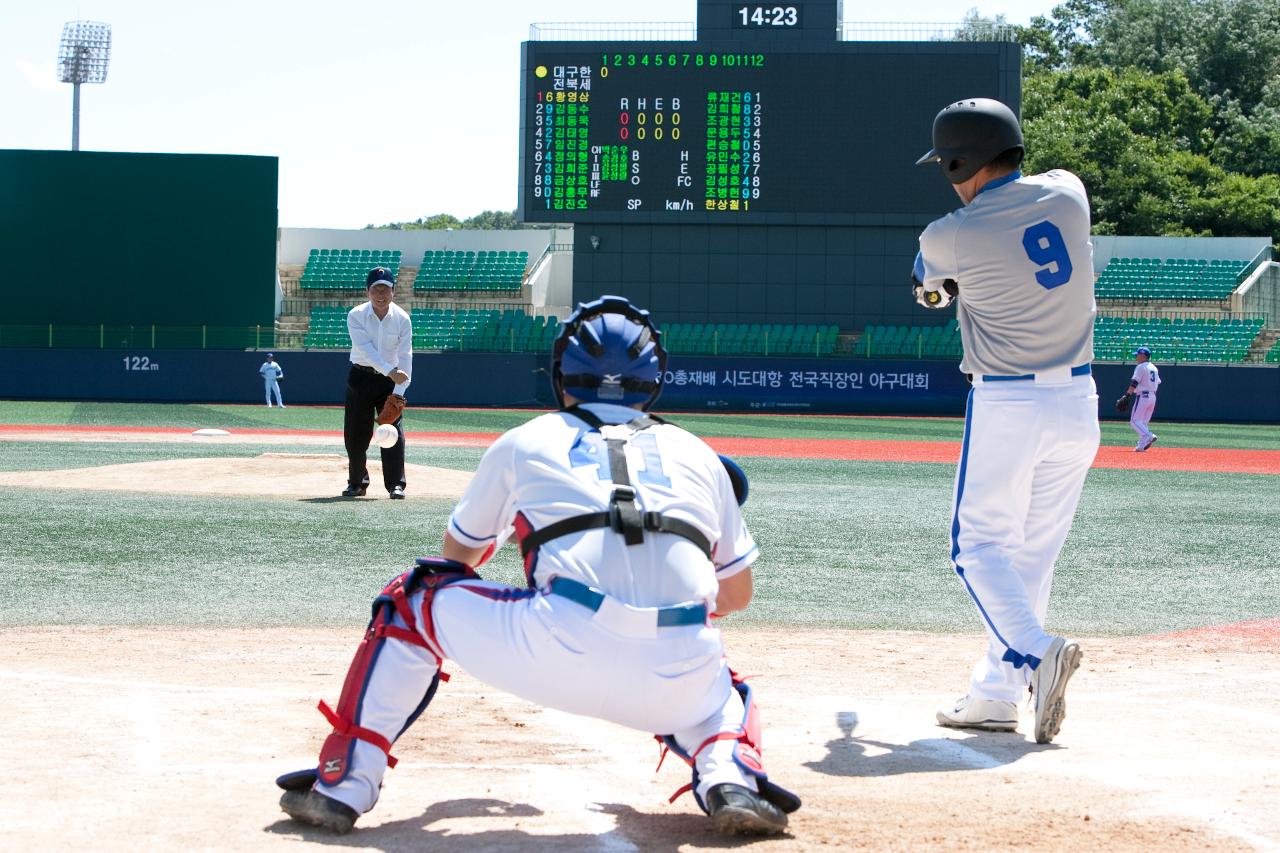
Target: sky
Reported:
point(380, 111)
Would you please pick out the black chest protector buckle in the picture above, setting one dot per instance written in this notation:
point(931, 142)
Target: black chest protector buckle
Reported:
point(623, 515)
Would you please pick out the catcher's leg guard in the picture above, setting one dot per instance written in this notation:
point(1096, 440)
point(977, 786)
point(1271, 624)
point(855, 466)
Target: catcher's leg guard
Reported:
point(431, 574)
point(746, 755)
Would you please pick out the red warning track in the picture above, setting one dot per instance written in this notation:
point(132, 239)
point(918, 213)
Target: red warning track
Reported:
point(1259, 632)
point(1156, 459)
point(1159, 458)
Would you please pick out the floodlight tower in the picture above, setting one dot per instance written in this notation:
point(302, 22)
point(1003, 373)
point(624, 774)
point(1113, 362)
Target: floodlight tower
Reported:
point(83, 55)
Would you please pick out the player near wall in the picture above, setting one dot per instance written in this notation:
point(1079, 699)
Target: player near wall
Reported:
point(1142, 387)
point(632, 538)
point(1017, 262)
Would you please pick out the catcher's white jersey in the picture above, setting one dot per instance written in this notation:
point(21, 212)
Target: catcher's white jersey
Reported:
point(1146, 378)
point(555, 467)
point(1021, 255)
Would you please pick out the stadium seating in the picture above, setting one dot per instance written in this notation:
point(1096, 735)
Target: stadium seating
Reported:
point(440, 328)
point(1174, 279)
point(475, 271)
point(1115, 338)
point(345, 269)
point(911, 341)
point(1273, 354)
point(749, 338)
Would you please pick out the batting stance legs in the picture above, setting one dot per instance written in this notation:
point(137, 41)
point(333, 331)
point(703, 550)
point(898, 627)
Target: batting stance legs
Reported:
point(367, 391)
point(614, 662)
point(1027, 448)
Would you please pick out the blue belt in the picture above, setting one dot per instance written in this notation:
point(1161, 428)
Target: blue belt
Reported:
point(580, 593)
point(1082, 370)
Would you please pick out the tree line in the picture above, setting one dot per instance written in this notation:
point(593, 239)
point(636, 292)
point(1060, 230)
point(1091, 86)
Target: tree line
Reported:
point(1169, 110)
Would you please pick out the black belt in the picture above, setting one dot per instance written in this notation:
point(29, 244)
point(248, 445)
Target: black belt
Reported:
point(364, 368)
point(652, 521)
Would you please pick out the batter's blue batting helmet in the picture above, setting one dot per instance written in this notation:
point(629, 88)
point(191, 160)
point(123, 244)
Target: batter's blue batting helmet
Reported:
point(608, 351)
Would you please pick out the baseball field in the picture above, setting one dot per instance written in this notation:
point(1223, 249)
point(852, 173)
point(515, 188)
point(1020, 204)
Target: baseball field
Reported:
point(173, 606)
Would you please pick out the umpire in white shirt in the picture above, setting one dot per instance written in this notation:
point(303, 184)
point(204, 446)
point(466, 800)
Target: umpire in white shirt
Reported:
point(381, 365)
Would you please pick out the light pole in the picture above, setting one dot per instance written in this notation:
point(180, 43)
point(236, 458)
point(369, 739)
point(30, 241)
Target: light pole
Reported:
point(83, 55)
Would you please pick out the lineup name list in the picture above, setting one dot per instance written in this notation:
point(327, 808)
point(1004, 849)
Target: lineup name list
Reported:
point(595, 146)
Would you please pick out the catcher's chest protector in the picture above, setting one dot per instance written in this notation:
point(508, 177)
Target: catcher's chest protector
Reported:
point(623, 516)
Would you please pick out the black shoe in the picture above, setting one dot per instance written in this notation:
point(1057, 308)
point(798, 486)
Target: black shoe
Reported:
point(736, 809)
point(352, 491)
point(318, 810)
point(397, 494)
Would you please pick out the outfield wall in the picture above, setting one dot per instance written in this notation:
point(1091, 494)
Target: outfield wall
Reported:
point(1236, 393)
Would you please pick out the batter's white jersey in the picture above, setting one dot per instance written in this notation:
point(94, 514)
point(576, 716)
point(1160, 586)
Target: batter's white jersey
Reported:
point(1146, 378)
point(1021, 255)
point(555, 467)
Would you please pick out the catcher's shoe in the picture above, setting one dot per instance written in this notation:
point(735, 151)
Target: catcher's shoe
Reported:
point(353, 491)
point(318, 810)
point(1049, 686)
point(990, 715)
point(736, 809)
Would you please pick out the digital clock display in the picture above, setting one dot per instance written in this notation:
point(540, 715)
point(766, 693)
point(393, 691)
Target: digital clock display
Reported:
point(678, 131)
point(752, 17)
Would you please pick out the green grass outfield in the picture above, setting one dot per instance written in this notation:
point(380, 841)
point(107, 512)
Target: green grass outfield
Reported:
point(844, 544)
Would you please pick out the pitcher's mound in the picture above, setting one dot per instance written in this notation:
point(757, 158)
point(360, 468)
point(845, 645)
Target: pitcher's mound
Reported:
point(283, 475)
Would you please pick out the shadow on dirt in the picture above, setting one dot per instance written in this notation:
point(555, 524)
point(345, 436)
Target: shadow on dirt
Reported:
point(653, 833)
point(850, 755)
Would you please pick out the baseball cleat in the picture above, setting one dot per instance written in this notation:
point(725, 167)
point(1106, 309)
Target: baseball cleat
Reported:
point(989, 715)
point(1049, 686)
point(397, 494)
point(736, 810)
point(353, 491)
point(316, 809)
point(1149, 442)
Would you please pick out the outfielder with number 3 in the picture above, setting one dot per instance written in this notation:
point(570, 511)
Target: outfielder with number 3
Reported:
point(1017, 261)
point(632, 536)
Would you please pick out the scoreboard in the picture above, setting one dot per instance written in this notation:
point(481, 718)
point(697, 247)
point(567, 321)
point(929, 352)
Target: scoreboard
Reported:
point(682, 132)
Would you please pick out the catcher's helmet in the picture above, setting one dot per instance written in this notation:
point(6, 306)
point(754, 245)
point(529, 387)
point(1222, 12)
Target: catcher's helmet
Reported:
point(969, 134)
point(608, 351)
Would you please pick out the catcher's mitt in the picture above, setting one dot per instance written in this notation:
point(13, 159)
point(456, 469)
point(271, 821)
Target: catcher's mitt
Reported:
point(1124, 403)
point(392, 409)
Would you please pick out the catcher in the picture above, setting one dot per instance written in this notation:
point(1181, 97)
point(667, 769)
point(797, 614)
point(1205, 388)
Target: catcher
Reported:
point(381, 367)
point(632, 539)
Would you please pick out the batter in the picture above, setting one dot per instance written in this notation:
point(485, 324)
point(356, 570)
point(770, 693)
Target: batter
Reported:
point(1017, 261)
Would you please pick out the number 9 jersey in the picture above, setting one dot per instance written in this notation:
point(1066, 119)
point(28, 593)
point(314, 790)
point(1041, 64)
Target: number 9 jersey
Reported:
point(1021, 255)
point(556, 467)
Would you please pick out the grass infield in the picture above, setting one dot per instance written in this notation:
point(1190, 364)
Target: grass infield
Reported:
point(844, 544)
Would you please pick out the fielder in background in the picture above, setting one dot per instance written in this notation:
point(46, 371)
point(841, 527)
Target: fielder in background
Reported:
point(1017, 261)
point(1146, 378)
point(271, 374)
point(632, 538)
point(381, 368)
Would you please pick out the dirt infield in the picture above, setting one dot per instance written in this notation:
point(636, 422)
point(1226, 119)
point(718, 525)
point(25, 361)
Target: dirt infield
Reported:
point(281, 475)
point(147, 738)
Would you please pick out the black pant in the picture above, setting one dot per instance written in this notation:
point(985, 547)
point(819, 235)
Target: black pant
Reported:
point(367, 390)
